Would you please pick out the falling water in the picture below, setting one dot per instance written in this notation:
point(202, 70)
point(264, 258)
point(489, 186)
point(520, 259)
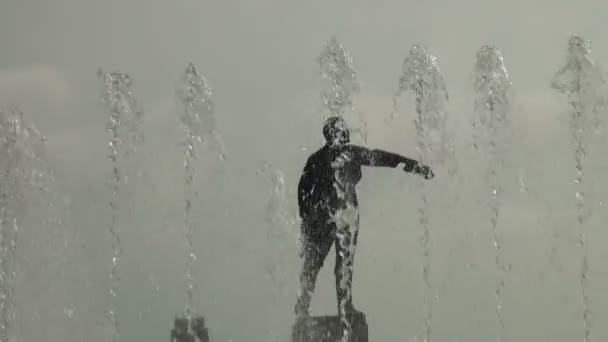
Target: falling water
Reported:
point(337, 69)
point(421, 76)
point(279, 216)
point(196, 116)
point(123, 121)
point(492, 88)
point(8, 244)
point(24, 173)
point(281, 220)
point(581, 80)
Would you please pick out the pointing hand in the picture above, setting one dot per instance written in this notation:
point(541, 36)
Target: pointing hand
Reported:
point(424, 170)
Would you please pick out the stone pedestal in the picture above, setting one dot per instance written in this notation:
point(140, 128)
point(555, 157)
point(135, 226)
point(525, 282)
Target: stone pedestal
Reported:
point(199, 332)
point(327, 329)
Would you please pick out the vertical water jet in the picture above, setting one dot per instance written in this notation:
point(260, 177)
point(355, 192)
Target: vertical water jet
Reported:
point(24, 175)
point(281, 221)
point(581, 80)
point(123, 121)
point(342, 84)
point(196, 116)
point(198, 111)
point(422, 77)
point(492, 101)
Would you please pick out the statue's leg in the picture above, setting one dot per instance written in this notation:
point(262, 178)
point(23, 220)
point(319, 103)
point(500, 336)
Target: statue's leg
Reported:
point(314, 252)
point(346, 242)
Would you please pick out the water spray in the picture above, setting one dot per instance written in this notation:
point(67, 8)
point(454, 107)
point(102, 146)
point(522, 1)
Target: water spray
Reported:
point(198, 122)
point(492, 91)
point(422, 77)
point(123, 120)
point(24, 173)
point(281, 221)
point(581, 80)
point(337, 68)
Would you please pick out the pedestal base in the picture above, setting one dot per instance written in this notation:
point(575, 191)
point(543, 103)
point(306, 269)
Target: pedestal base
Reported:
point(199, 332)
point(327, 329)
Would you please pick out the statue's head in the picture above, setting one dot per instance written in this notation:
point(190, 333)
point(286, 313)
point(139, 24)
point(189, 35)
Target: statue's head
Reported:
point(336, 132)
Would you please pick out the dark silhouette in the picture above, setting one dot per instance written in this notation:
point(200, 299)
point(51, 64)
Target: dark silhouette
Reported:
point(327, 201)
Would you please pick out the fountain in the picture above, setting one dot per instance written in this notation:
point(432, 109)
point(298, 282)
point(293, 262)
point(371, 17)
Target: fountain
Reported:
point(466, 256)
point(198, 122)
point(25, 177)
point(336, 66)
point(492, 102)
point(421, 76)
point(281, 229)
point(123, 121)
point(583, 82)
point(197, 111)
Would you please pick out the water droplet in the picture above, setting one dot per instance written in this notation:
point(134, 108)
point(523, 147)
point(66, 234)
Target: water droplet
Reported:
point(69, 312)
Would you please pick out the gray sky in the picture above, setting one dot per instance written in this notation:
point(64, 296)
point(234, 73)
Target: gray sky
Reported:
point(259, 58)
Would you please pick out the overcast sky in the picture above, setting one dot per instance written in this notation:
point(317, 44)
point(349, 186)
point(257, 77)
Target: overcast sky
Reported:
point(259, 58)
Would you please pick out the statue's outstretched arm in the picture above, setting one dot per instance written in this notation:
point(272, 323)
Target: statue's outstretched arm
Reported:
point(381, 158)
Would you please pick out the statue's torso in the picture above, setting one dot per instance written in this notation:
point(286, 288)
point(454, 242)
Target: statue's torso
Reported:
point(335, 180)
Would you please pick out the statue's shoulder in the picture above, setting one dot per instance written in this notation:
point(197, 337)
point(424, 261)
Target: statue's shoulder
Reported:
point(318, 154)
point(356, 149)
point(315, 158)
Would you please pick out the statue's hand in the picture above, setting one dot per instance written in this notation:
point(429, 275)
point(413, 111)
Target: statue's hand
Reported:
point(429, 174)
point(423, 170)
